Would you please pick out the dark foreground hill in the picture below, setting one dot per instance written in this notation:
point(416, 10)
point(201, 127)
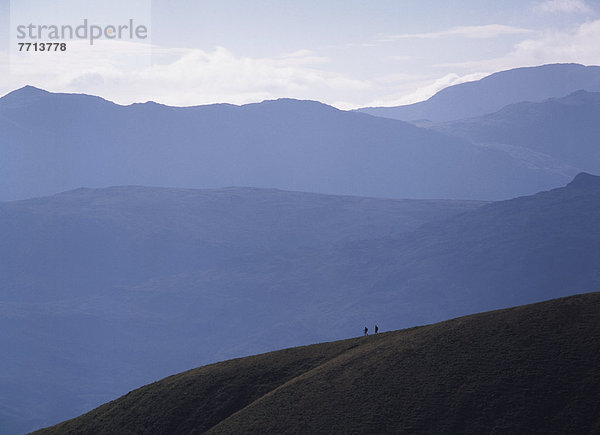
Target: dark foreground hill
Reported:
point(529, 369)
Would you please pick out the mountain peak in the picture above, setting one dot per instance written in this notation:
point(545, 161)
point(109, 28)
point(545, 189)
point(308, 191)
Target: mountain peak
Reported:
point(28, 91)
point(583, 180)
point(24, 94)
point(32, 90)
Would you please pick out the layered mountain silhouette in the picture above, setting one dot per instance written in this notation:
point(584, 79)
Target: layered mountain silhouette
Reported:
point(58, 142)
point(132, 283)
point(504, 253)
point(495, 91)
point(529, 369)
point(559, 132)
point(104, 290)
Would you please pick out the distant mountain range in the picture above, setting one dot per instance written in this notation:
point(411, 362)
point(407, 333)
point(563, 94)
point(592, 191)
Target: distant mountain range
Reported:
point(133, 283)
point(529, 369)
point(503, 253)
point(492, 93)
point(559, 132)
point(58, 142)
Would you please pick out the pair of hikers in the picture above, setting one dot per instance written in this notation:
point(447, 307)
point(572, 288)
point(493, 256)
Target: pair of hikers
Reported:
point(367, 330)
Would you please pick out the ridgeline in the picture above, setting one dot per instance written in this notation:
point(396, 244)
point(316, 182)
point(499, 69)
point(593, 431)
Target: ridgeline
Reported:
point(528, 369)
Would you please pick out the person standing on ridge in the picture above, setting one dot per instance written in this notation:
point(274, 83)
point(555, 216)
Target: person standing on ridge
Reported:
point(366, 331)
point(376, 329)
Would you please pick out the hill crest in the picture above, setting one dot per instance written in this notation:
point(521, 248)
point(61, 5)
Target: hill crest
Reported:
point(29, 92)
point(586, 181)
point(532, 368)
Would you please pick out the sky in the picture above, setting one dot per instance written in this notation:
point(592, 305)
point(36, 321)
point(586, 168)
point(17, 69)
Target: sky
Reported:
point(347, 53)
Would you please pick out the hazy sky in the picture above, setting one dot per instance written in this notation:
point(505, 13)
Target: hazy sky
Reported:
point(347, 53)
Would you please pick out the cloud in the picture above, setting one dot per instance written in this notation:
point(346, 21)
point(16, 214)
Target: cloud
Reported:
point(127, 72)
point(303, 57)
point(578, 45)
point(132, 72)
point(563, 6)
point(402, 58)
point(476, 32)
point(424, 88)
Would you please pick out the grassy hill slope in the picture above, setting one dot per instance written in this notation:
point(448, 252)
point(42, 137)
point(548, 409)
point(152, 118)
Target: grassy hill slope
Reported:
point(105, 290)
point(534, 369)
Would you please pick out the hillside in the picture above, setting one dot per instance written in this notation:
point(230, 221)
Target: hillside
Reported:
point(123, 276)
point(103, 281)
point(529, 369)
point(561, 133)
point(57, 142)
point(492, 93)
point(133, 283)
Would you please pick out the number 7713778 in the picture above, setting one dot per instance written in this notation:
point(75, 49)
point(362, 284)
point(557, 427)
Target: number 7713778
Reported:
point(42, 46)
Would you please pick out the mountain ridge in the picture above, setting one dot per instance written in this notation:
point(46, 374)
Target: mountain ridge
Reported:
point(495, 91)
point(586, 181)
point(532, 245)
point(30, 91)
point(70, 141)
point(564, 129)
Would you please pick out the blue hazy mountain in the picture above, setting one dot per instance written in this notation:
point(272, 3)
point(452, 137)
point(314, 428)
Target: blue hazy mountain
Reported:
point(58, 142)
point(507, 252)
point(495, 91)
point(107, 289)
point(104, 290)
point(560, 132)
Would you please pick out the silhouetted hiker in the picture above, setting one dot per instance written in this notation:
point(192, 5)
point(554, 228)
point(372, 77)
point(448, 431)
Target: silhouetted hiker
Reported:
point(366, 331)
point(376, 329)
